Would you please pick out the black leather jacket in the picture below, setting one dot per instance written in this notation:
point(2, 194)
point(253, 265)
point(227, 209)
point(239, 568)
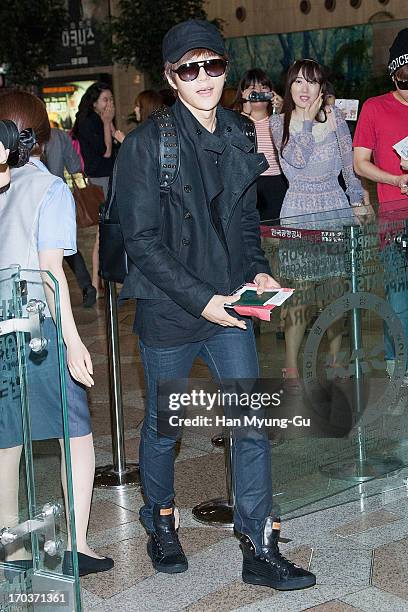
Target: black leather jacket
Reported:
point(201, 238)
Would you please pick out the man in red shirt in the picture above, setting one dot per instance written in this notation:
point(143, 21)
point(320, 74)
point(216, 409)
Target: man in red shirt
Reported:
point(382, 123)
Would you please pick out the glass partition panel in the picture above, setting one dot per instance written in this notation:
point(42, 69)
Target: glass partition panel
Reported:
point(340, 346)
point(37, 531)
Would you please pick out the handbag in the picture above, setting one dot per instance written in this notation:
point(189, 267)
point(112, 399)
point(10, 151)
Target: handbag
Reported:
point(113, 263)
point(87, 201)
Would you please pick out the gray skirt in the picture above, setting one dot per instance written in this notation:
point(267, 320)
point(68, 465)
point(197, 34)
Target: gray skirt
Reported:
point(43, 392)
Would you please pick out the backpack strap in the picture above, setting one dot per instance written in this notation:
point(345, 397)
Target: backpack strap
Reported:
point(106, 207)
point(169, 147)
point(249, 130)
point(169, 162)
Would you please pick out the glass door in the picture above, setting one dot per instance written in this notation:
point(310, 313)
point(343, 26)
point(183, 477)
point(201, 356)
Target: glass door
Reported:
point(341, 343)
point(38, 561)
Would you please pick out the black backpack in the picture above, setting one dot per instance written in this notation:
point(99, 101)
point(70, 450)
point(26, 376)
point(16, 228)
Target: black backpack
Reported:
point(113, 264)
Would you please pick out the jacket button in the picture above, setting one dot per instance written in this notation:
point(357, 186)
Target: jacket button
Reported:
point(229, 129)
point(188, 188)
point(185, 242)
point(198, 132)
point(187, 214)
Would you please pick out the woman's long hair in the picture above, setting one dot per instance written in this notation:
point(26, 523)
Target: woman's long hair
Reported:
point(27, 111)
point(314, 73)
point(254, 76)
point(148, 101)
point(86, 105)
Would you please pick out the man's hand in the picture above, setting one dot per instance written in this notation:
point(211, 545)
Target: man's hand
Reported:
point(216, 313)
point(265, 281)
point(402, 183)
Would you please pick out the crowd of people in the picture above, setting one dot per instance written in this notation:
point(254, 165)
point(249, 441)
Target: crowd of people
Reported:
point(190, 244)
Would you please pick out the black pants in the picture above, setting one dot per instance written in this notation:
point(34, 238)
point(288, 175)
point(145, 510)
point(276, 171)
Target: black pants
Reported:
point(271, 191)
point(77, 264)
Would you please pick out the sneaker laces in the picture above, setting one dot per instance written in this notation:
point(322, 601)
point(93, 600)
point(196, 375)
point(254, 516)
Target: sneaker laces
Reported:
point(168, 542)
point(275, 557)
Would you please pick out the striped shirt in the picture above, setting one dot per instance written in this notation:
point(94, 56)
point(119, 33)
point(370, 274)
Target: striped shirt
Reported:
point(266, 146)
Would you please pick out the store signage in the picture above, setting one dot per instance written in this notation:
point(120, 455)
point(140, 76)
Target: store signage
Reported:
point(82, 41)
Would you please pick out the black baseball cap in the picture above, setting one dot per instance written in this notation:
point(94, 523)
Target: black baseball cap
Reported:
point(398, 52)
point(191, 34)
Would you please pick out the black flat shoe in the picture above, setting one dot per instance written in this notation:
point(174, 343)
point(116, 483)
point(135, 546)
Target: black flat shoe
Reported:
point(89, 297)
point(86, 564)
point(13, 568)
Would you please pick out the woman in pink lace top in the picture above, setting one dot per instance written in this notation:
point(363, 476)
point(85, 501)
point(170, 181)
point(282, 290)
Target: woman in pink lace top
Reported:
point(314, 146)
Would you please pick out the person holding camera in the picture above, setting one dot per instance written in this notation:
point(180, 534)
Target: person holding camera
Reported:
point(38, 211)
point(272, 184)
point(314, 146)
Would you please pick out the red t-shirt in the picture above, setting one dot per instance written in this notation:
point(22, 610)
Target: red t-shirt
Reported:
point(383, 122)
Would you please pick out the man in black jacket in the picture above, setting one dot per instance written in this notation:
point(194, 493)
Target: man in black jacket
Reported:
point(189, 247)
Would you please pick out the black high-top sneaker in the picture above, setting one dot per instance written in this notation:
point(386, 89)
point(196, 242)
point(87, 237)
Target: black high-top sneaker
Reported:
point(164, 547)
point(268, 567)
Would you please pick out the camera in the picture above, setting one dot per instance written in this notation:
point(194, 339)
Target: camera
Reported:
point(9, 135)
point(260, 96)
point(401, 240)
point(11, 138)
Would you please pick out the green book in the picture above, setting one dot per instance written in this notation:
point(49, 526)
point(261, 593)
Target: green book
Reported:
point(250, 298)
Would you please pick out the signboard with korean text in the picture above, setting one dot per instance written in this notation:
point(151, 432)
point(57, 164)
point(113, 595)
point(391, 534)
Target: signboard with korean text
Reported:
point(81, 41)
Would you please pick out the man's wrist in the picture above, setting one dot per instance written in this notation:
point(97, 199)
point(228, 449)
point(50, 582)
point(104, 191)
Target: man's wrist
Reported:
point(395, 181)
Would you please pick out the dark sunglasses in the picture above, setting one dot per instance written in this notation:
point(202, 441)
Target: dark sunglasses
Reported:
point(213, 67)
point(402, 84)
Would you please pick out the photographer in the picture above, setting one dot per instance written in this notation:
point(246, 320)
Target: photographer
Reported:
point(272, 184)
point(39, 213)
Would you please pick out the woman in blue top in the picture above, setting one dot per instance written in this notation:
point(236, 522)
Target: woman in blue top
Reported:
point(38, 212)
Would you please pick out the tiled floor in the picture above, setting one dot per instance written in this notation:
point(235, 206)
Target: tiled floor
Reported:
point(356, 544)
